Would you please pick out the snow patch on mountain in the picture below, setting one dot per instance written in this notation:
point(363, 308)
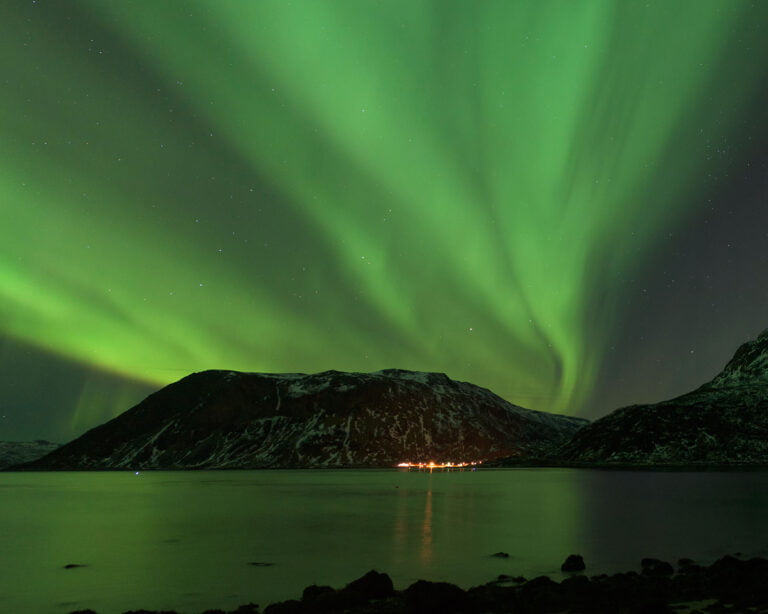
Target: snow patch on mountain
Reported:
point(16, 452)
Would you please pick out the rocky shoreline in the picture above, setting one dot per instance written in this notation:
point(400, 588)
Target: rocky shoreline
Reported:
point(730, 584)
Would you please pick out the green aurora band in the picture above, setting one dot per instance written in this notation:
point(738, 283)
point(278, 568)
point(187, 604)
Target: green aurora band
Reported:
point(349, 184)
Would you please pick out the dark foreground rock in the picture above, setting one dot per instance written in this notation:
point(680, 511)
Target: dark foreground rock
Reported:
point(574, 562)
point(728, 585)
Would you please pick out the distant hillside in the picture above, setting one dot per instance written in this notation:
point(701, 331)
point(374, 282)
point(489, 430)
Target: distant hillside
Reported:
point(15, 452)
point(227, 419)
point(724, 422)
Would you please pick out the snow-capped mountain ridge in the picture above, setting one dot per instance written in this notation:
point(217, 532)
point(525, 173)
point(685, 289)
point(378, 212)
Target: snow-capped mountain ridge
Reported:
point(228, 419)
point(723, 422)
point(749, 365)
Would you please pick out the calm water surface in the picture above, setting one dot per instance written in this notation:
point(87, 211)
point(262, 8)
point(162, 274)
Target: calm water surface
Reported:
point(185, 540)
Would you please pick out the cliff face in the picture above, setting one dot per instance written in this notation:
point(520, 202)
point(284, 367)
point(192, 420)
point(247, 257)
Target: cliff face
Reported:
point(724, 422)
point(226, 419)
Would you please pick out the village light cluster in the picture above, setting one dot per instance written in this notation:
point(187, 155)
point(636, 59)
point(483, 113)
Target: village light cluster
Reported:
point(431, 466)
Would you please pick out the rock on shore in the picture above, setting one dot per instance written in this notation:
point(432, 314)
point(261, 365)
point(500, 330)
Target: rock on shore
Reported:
point(728, 585)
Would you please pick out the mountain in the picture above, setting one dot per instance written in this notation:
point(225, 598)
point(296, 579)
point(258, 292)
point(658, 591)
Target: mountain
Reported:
point(233, 420)
point(724, 422)
point(15, 452)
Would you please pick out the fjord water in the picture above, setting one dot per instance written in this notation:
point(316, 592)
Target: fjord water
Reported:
point(187, 540)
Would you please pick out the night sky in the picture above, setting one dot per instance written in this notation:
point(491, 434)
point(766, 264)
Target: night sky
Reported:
point(565, 202)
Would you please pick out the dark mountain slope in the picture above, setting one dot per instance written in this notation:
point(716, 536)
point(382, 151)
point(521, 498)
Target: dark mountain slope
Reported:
point(15, 452)
point(226, 419)
point(724, 422)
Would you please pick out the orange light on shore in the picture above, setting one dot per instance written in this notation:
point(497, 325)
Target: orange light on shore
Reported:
point(431, 465)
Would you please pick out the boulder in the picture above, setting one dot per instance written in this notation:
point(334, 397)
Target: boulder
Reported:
point(542, 595)
point(314, 592)
point(373, 585)
point(655, 567)
point(286, 607)
point(491, 598)
point(574, 562)
point(424, 597)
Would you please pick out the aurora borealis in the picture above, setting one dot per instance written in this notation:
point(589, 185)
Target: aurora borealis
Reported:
point(564, 202)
